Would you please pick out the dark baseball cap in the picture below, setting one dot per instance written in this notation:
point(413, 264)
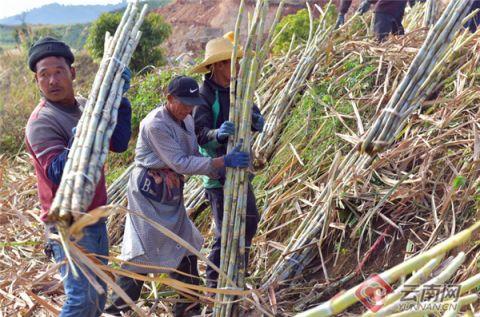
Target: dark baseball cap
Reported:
point(186, 90)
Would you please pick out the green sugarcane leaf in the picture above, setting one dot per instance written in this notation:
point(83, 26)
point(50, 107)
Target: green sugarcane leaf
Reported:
point(459, 181)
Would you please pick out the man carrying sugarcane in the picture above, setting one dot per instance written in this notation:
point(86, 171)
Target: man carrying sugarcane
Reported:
point(473, 23)
point(213, 129)
point(167, 149)
point(49, 136)
point(387, 19)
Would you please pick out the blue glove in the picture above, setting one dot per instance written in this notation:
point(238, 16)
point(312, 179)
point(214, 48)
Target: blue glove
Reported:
point(127, 76)
point(258, 122)
point(226, 129)
point(364, 6)
point(340, 21)
point(123, 130)
point(236, 158)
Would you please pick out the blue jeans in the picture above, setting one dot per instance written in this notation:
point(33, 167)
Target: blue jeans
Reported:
point(82, 298)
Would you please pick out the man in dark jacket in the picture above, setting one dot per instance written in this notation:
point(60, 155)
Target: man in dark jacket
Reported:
point(473, 23)
point(388, 15)
point(213, 129)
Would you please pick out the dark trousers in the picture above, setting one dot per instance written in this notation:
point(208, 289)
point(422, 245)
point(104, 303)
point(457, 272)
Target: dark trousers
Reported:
point(133, 288)
point(384, 24)
point(215, 197)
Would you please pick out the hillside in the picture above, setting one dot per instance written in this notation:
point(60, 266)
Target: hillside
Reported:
point(213, 18)
point(67, 28)
point(61, 14)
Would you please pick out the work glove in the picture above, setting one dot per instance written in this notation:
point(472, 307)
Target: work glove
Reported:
point(226, 129)
point(364, 6)
point(127, 76)
point(258, 122)
point(237, 158)
point(340, 21)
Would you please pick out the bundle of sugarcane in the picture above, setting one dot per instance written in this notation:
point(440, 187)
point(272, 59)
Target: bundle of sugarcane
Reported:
point(311, 233)
point(194, 195)
point(116, 192)
point(421, 80)
point(284, 99)
point(117, 195)
point(242, 89)
point(407, 293)
point(91, 143)
point(430, 16)
point(413, 19)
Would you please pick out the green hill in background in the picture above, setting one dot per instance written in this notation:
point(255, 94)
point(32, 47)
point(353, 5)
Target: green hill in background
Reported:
point(74, 34)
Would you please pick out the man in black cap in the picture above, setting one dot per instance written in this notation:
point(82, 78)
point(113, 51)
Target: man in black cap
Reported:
point(48, 138)
point(167, 149)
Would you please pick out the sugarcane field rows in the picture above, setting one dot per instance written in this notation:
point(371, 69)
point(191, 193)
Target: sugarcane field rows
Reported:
point(365, 172)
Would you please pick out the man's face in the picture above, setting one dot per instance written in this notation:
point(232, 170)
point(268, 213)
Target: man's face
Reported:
point(223, 70)
point(179, 110)
point(54, 78)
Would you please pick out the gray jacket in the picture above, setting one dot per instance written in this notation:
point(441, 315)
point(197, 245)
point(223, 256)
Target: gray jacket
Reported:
point(162, 143)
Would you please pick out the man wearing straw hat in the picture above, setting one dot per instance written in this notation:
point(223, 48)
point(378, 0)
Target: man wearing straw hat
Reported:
point(167, 149)
point(213, 129)
point(48, 138)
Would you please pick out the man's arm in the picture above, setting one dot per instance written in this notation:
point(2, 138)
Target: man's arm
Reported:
point(49, 147)
point(123, 130)
point(54, 164)
point(174, 155)
point(204, 125)
point(258, 121)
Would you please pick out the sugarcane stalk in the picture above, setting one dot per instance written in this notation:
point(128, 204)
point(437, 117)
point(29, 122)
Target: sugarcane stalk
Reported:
point(413, 280)
point(435, 46)
point(242, 94)
point(113, 73)
point(345, 300)
point(431, 8)
point(86, 151)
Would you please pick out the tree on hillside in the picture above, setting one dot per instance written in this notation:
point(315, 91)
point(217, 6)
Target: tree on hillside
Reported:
point(154, 31)
point(297, 24)
point(25, 35)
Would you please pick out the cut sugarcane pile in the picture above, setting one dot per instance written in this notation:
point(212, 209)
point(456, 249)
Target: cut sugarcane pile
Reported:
point(242, 89)
point(282, 100)
point(84, 166)
point(422, 78)
point(412, 292)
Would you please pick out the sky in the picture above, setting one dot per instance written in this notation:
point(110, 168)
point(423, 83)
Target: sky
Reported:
point(13, 7)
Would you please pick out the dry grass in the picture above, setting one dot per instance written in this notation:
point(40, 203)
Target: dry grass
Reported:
point(417, 193)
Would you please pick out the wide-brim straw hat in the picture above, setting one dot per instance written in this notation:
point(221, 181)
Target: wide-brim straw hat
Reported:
point(217, 50)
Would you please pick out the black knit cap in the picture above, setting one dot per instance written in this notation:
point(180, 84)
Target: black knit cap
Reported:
point(48, 46)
